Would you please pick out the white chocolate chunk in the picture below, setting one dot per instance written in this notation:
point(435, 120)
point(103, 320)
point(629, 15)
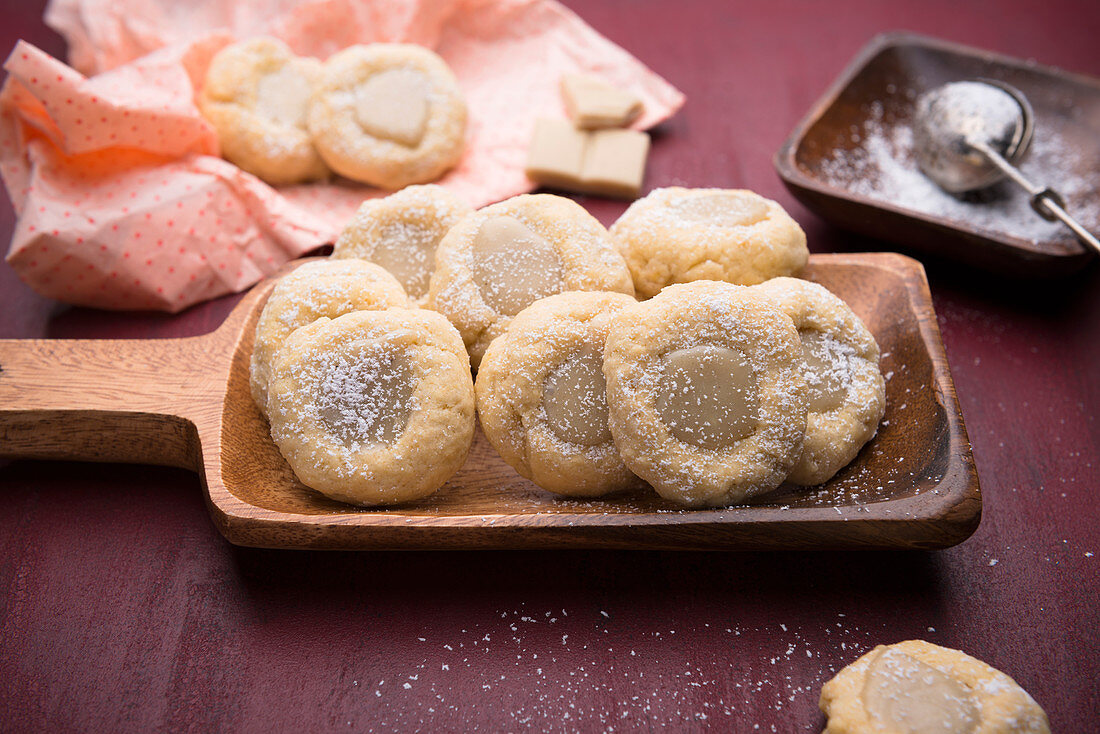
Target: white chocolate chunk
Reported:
point(368, 401)
point(575, 400)
point(911, 697)
point(604, 162)
point(393, 105)
point(283, 97)
point(722, 209)
point(593, 103)
point(614, 163)
point(828, 372)
point(708, 396)
point(556, 154)
point(512, 266)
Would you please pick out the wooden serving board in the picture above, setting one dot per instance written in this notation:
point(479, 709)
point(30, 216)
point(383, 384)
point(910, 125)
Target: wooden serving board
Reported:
point(186, 402)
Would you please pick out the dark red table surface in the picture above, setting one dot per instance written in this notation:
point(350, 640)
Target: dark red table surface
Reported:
point(122, 609)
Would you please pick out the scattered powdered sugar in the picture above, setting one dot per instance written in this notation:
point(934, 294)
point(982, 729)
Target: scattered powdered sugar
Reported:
point(363, 400)
point(698, 314)
point(588, 670)
point(361, 397)
point(829, 366)
point(299, 305)
point(883, 167)
point(716, 208)
point(401, 233)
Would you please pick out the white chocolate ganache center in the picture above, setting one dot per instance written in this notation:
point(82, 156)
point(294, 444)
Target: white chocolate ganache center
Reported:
point(575, 400)
point(512, 266)
point(708, 396)
point(366, 400)
point(283, 96)
point(911, 697)
point(393, 105)
point(407, 251)
point(725, 209)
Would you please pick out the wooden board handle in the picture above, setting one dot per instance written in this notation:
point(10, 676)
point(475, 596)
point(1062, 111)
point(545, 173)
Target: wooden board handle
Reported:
point(108, 400)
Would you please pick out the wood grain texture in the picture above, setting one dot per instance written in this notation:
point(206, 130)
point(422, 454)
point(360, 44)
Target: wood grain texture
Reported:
point(123, 609)
point(173, 401)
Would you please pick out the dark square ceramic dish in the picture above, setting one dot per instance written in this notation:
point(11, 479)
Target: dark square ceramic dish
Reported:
point(849, 159)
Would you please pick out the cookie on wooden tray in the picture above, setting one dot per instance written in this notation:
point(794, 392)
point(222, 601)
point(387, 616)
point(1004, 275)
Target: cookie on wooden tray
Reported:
point(916, 687)
point(541, 395)
point(401, 232)
point(324, 288)
point(388, 114)
point(705, 393)
point(373, 407)
point(256, 96)
point(678, 235)
point(846, 390)
point(501, 259)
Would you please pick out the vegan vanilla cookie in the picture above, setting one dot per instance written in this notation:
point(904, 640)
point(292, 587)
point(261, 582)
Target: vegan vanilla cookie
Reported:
point(845, 388)
point(323, 288)
point(256, 96)
point(497, 261)
point(705, 393)
point(373, 407)
point(541, 395)
point(678, 235)
point(388, 114)
point(916, 687)
point(401, 232)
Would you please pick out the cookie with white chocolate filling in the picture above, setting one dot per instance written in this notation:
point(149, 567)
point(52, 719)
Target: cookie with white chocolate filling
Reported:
point(541, 395)
point(401, 232)
point(373, 407)
point(388, 114)
point(501, 259)
point(705, 393)
point(846, 390)
point(256, 96)
point(916, 687)
point(323, 288)
point(678, 235)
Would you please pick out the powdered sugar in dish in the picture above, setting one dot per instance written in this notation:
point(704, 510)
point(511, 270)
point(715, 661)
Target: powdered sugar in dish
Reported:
point(883, 167)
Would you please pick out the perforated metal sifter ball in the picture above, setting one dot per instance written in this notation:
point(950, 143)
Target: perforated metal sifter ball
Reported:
point(968, 135)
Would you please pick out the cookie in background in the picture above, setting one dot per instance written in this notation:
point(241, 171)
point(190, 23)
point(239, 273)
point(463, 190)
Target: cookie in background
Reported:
point(388, 114)
point(256, 96)
point(679, 235)
point(497, 261)
point(401, 233)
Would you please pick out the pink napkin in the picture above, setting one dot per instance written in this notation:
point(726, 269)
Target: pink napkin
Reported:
point(121, 198)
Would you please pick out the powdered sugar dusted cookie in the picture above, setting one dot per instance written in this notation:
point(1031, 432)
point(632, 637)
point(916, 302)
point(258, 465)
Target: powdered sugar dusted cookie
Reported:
point(501, 259)
point(916, 687)
point(705, 393)
point(373, 407)
point(401, 233)
point(256, 96)
point(388, 114)
point(678, 235)
point(541, 395)
point(847, 394)
point(323, 288)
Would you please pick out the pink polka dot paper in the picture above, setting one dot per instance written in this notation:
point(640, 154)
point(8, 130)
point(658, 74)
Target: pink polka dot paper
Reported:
point(122, 200)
